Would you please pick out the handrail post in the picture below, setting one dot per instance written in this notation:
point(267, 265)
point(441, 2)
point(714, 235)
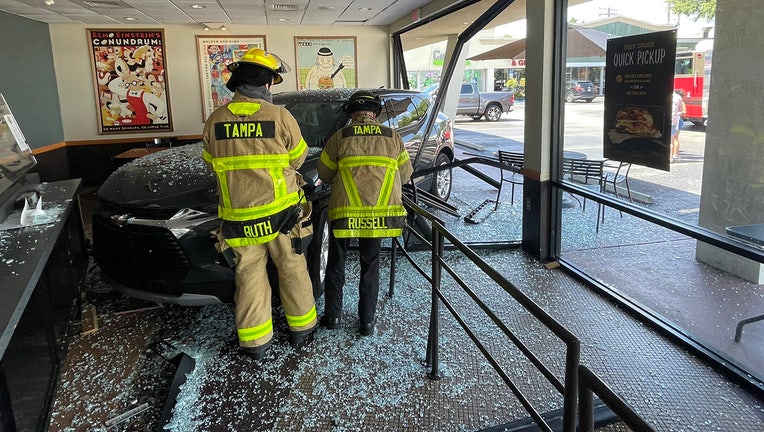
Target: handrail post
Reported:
point(432, 340)
point(393, 252)
point(585, 409)
point(570, 398)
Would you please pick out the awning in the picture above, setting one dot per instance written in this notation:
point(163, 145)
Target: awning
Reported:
point(582, 42)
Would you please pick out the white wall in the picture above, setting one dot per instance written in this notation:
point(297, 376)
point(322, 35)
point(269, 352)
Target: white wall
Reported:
point(74, 73)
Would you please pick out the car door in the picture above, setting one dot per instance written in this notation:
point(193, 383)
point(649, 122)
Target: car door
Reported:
point(469, 100)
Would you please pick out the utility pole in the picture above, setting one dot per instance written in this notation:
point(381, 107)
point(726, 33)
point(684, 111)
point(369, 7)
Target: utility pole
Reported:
point(608, 11)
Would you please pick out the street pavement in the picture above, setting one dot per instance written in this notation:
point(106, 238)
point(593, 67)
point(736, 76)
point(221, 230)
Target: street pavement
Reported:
point(675, 193)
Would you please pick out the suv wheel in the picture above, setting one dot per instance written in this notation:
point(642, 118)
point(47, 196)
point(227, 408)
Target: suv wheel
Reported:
point(318, 251)
point(568, 97)
point(441, 181)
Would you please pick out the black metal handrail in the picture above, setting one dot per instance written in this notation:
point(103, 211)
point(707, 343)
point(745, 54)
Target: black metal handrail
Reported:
point(569, 389)
point(588, 385)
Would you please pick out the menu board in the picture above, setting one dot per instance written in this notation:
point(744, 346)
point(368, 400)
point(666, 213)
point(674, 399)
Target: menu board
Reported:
point(639, 81)
point(16, 158)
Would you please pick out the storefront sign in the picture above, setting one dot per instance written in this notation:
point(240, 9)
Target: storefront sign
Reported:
point(638, 91)
point(130, 79)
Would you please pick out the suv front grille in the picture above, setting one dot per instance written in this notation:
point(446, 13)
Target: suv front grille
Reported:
point(137, 254)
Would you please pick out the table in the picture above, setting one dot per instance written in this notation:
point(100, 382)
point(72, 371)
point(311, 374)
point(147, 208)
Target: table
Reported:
point(571, 155)
point(753, 234)
point(137, 152)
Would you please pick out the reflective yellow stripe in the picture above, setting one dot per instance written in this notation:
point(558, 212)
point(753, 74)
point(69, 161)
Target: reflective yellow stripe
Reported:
point(403, 157)
point(348, 233)
point(351, 188)
point(243, 108)
point(228, 163)
point(207, 156)
point(348, 212)
point(302, 320)
point(274, 163)
point(387, 187)
point(301, 148)
point(247, 213)
point(328, 162)
point(247, 241)
point(253, 333)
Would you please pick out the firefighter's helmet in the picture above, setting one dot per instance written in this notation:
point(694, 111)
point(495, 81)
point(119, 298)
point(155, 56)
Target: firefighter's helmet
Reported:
point(264, 59)
point(363, 100)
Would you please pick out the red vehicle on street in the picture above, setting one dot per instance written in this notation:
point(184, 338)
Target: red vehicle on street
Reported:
point(692, 75)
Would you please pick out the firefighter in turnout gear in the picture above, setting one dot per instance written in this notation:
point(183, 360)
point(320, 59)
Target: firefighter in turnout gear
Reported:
point(366, 163)
point(255, 149)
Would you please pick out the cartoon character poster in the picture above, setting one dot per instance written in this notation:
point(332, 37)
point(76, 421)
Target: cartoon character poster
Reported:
point(325, 62)
point(130, 80)
point(215, 54)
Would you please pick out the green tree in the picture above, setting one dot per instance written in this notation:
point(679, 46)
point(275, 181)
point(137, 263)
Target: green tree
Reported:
point(695, 9)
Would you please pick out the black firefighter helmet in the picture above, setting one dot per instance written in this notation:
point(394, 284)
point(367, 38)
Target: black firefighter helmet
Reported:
point(363, 100)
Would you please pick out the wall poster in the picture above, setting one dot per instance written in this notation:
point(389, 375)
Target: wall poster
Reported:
point(639, 81)
point(130, 78)
point(215, 54)
point(325, 62)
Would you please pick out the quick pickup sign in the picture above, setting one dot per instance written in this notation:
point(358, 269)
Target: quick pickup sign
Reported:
point(639, 78)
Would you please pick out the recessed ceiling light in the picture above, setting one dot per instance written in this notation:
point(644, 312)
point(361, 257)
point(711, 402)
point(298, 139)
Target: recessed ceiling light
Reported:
point(326, 8)
point(365, 9)
point(131, 19)
point(198, 6)
point(50, 2)
point(283, 19)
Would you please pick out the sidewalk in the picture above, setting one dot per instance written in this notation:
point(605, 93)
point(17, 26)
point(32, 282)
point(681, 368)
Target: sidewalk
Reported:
point(647, 264)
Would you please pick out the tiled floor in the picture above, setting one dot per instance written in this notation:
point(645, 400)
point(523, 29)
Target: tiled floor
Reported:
point(342, 382)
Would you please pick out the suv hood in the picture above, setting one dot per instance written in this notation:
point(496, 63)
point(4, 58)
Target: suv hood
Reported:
point(173, 178)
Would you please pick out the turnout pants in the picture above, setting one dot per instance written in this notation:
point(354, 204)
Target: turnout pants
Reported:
point(368, 287)
point(253, 291)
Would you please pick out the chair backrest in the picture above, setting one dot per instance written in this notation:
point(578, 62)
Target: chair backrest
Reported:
point(515, 159)
point(582, 170)
point(621, 172)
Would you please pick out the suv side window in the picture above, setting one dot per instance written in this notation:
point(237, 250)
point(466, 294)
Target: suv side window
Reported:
point(404, 111)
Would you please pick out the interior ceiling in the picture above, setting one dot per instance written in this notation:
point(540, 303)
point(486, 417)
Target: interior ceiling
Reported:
point(280, 12)
point(217, 13)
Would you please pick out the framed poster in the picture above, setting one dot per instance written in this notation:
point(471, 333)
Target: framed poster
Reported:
point(215, 54)
point(130, 79)
point(325, 62)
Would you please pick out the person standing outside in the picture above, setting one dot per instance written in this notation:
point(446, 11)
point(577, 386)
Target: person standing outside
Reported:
point(255, 148)
point(678, 110)
point(366, 164)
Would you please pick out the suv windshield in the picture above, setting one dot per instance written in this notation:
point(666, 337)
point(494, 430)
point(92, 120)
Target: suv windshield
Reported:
point(318, 120)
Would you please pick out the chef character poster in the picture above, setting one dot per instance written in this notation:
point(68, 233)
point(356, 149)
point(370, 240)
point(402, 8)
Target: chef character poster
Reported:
point(325, 62)
point(639, 78)
point(130, 77)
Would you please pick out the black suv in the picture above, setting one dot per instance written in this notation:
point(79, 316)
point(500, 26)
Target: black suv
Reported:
point(580, 90)
point(151, 231)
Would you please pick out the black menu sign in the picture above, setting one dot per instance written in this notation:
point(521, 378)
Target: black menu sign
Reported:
point(639, 83)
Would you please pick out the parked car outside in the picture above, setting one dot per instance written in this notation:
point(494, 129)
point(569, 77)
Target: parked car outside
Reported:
point(152, 230)
point(476, 104)
point(580, 90)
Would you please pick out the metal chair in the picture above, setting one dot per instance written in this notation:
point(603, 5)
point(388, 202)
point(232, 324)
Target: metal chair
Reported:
point(514, 159)
point(613, 178)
